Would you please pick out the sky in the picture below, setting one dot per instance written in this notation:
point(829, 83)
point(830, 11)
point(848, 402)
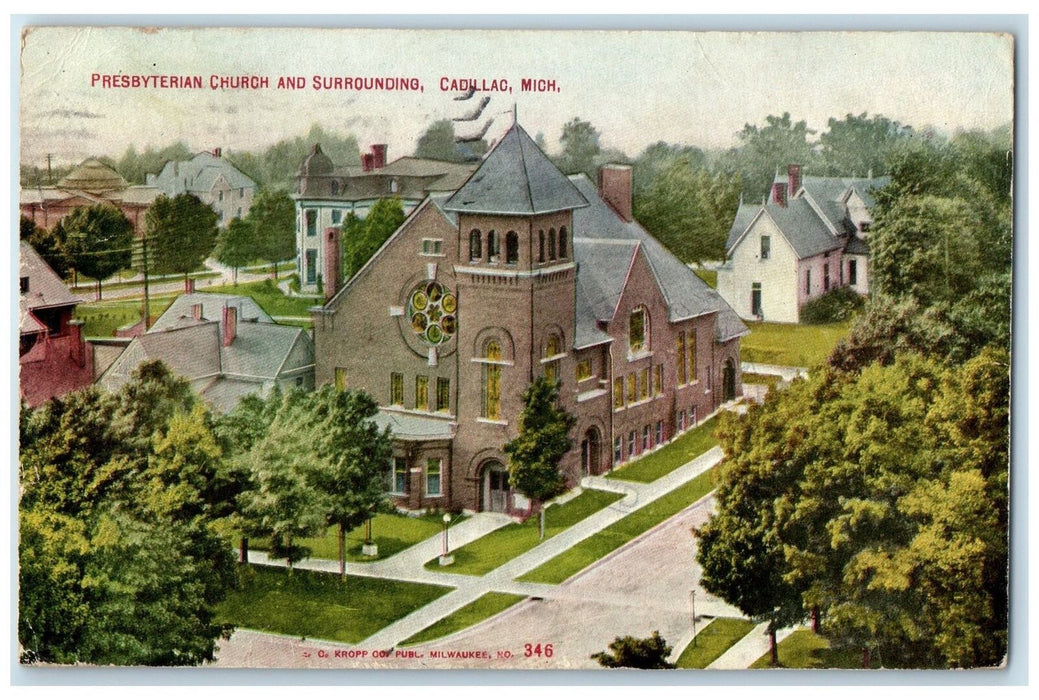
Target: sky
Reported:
point(636, 88)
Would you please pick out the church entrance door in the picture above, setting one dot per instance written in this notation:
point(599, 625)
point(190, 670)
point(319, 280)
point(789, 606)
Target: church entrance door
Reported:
point(496, 491)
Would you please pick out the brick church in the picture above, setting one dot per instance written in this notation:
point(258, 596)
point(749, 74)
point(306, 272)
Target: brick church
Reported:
point(523, 271)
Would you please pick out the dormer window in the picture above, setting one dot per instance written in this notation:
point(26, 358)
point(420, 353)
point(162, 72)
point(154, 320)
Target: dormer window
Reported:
point(766, 247)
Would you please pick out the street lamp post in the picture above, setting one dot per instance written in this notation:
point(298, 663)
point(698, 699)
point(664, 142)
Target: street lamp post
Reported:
point(445, 558)
point(692, 611)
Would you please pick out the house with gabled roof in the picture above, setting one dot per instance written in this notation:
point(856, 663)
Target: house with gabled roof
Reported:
point(809, 237)
point(226, 346)
point(213, 179)
point(327, 193)
point(520, 272)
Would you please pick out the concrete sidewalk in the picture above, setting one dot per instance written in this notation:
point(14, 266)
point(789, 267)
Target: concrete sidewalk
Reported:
point(787, 373)
point(749, 649)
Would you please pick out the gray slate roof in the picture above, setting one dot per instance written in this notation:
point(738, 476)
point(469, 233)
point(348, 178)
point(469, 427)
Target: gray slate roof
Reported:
point(802, 227)
point(856, 246)
point(686, 294)
point(46, 290)
point(179, 311)
point(198, 175)
point(744, 215)
point(406, 426)
point(516, 178)
point(602, 269)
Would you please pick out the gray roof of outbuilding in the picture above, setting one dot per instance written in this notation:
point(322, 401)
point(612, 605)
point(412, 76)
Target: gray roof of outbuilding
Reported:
point(201, 172)
point(179, 311)
point(406, 426)
point(223, 394)
point(259, 349)
point(686, 294)
point(516, 178)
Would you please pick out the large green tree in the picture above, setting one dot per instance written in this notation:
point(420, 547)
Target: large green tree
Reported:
point(136, 166)
point(438, 142)
point(98, 241)
point(121, 559)
point(858, 145)
point(581, 147)
point(543, 440)
point(363, 237)
point(766, 148)
point(273, 216)
point(49, 244)
point(182, 232)
point(236, 245)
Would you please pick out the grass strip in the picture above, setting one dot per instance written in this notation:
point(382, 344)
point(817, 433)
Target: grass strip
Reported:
point(268, 296)
point(495, 548)
point(708, 276)
point(102, 318)
point(320, 606)
point(770, 380)
point(684, 448)
point(590, 550)
point(806, 649)
point(791, 344)
point(713, 641)
point(486, 606)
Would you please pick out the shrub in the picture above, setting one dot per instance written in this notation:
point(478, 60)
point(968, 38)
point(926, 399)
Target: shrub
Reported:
point(836, 305)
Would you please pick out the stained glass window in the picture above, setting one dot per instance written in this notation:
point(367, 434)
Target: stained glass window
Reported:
point(431, 308)
point(492, 381)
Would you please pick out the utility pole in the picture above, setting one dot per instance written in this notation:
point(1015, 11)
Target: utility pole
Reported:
point(144, 271)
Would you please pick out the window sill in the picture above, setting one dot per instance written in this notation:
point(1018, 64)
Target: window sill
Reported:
point(640, 355)
point(491, 421)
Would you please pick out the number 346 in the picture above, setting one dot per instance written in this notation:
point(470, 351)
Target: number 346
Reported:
point(538, 650)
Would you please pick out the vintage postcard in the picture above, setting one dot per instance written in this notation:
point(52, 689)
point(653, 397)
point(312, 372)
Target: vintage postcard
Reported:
point(501, 349)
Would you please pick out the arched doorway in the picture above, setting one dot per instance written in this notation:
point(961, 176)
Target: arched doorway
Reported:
point(497, 495)
point(729, 380)
point(591, 452)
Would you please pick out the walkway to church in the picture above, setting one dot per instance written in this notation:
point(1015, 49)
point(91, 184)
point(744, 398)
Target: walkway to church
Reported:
point(637, 569)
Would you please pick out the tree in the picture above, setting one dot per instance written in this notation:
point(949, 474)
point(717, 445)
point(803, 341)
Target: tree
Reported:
point(49, 244)
point(633, 652)
point(363, 237)
point(763, 149)
point(273, 217)
point(98, 241)
point(543, 439)
point(236, 245)
point(438, 142)
point(860, 145)
point(580, 142)
point(349, 460)
point(120, 557)
point(182, 232)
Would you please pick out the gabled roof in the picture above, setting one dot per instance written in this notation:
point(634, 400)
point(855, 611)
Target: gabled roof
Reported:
point(744, 216)
point(803, 228)
point(212, 309)
point(602, 270)
point(516, 178)
point(199, 175)
point(686, 294)
point(46, 289)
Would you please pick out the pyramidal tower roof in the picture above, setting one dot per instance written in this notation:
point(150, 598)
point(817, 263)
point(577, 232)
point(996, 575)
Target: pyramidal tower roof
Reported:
point(516, 178)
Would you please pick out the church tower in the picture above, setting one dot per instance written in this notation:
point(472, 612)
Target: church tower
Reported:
point(516, 288)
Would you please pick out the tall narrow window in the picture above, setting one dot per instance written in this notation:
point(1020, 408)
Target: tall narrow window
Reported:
point(660, 432)
point(645, 437)
point(631, 444)
point(541, 246)
point(826, 277)
point(493, 246)
point(681, 420)
point(443, 395)
point(808, 282)
point(755, 299)
point(618, 450)
point(633, 387)
point(337, 216)
point(658, 380)
point(637, 335)
point(335, 188)
point(433, 486)
point(421, 393)
point(475, 245)
point(766, 247)
point(398, 476)
point(618, 392)
point(492, 381)
point(311, 216)
point(396, 389)
point(583, 370)
point(680, 357)
point(340, 378)
point(692, 355)
point(644, 386)
point(511, 248)
point(552, 349)
point(551, 244)
point(853, 272)
point(562, 243)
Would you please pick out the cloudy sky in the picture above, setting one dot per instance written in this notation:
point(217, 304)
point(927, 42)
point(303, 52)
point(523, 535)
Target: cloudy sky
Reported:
point(635, 87)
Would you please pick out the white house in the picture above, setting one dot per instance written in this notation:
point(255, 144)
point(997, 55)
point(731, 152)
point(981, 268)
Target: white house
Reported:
point(213, 180)
point(809, 237)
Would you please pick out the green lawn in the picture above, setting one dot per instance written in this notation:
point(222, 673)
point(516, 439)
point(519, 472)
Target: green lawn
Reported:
point(319, 605)
point(769, 380)
point(590, 550)
point(393, 533)
point(791, 344)
point(487, 605)
point(806, 649)
point(102, 318)
point(670, 457)
point(269, 297)
point(495, 548)
point(708, 276)
point(713, 641)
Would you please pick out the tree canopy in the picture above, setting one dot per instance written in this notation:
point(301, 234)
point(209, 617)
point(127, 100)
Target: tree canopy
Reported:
point(182, 232)
point(580, 144)
point(98, 241)
point(236, 245)
point(363, 237)
point(633, 652)
point(273, 216)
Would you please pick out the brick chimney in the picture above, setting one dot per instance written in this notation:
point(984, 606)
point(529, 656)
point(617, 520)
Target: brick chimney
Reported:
point(779, 193)
point(333, 263)
point(793, 173)
point(196, 311)
point(217, 151)
point(189, 285)
point(230, 325)
point(77, 346)
point(366, 162)
point(378, 155)
point(615, 188)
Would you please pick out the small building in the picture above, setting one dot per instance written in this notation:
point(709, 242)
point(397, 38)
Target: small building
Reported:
point(92, 182)
point(211, 178)
point(326, 194)
point(523, 271)
point(810, 236)
point(52, 355)
point(225, 345)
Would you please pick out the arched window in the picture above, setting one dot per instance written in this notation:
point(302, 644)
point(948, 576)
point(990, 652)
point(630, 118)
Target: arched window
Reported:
point(541, 246)
point(511, 248)
point(562, 242)
point(638, 330)
point(553, 347)
point(492, 380)
point(475, 245)
point(551, 244)
point(493, 246)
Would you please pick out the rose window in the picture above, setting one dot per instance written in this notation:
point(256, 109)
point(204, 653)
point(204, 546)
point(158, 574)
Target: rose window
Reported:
point(431, 309)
